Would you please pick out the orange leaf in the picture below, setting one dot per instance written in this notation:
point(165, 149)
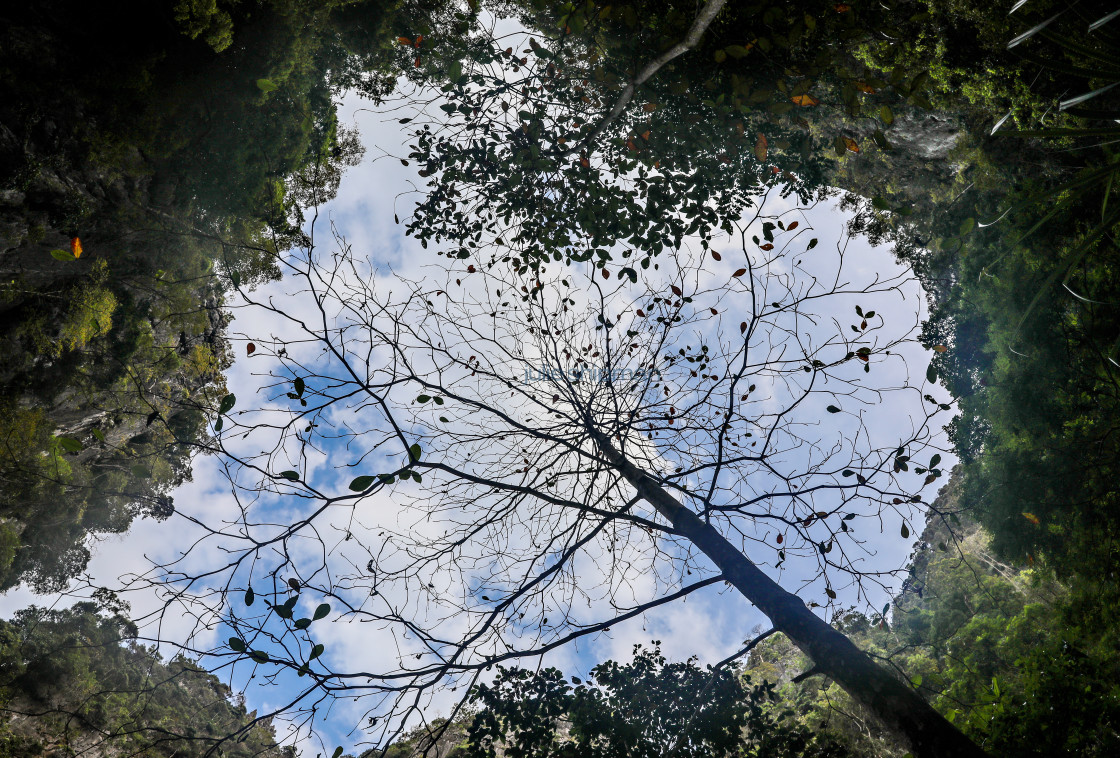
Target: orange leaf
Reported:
point(842, 8)
point(805, 100)
point(740, 272)
point(250, 349)
point(630, 144)
point(404, 41)
point(865, 87)
point(418, 38)
point(767, 246)
point(761, 148)
point(584, 162)
point(717, 256)
point(851, 144)
point(416, 63)
point(649, 107)
point(1031, 518)
point(792, 226)
point(780, 539)
point(940, 348)
point(76, 247)
point(645, 135)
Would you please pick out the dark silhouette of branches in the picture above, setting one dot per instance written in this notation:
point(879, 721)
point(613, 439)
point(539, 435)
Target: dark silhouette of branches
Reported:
point(482, 466)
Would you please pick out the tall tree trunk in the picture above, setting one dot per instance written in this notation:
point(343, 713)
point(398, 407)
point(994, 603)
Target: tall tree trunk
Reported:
point(900, 708)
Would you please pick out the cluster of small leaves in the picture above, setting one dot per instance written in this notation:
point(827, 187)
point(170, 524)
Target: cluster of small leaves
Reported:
point(537, 148)
point(646, 708)
point(528, 158)
point(286, 612)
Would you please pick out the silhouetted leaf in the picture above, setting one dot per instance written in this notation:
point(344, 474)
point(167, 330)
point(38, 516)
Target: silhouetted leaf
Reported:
point(361, 483)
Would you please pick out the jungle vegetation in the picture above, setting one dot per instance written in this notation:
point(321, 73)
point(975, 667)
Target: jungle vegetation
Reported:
point(155, 158)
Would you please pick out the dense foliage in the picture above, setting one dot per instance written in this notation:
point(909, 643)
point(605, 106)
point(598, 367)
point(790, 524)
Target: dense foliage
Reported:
point(1020, 258)
point(73, 681)
point(551, 152)
point(175, 144)
point(148, 159)
point(1000, 650)
point(648, 707)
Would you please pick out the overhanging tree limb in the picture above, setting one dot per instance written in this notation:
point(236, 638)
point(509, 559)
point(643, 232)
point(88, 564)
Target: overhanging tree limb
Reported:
point(834, 655)
point(700, 25)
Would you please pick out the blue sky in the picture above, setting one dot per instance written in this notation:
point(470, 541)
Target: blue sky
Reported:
point(709, 624)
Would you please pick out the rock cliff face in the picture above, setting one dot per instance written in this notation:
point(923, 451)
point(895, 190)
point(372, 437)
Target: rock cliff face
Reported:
point(919, 164)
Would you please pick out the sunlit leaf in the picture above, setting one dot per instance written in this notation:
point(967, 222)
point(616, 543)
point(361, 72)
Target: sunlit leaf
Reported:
point(1031, 518)
point(805, 100)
